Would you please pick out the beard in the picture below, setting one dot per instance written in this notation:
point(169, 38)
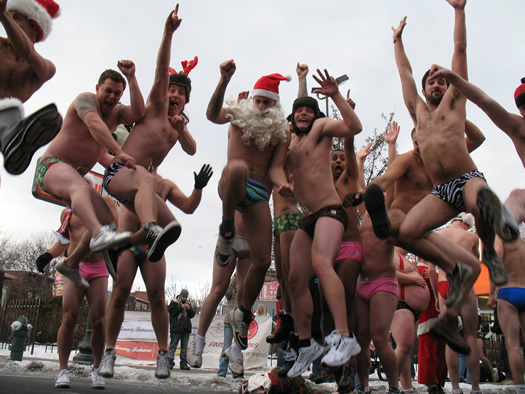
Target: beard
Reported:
point(261, 128)
point(433, 99)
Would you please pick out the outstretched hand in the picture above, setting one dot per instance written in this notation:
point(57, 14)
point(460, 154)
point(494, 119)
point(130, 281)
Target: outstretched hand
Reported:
point(177, 122)
point(201, 179)
point(393, 133)
point(399, 30)
point(126, 67)
point(42, 261)
point(302, 70)
point(328, 83)
point(227, 69)
point(126, 159)
point(364, 152)
point(173, 22)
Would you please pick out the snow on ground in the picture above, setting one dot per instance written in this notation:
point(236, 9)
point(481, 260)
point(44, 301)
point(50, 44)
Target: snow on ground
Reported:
point(45, 363)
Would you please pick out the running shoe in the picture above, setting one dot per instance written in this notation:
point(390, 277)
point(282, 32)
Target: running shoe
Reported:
point(447, 329)
point(497, 273)
point(194, 358)
point(108, 238)
point(305, 357)
point(235, 365)
point(97, 381)
point(224, 248)
point(289, 356)
point(163, 369)
point(375, 205)
point(72, 274)
point(62, 381)
point(457, 279)
point(497, 215)
point(362, 390)
point(341, 351)
point(23, 138)
point(160, 238)
point(107, 364)
point(240, 328)
point(495, 375)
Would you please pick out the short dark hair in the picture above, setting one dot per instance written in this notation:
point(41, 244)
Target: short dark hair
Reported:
point(113, 75)
point(182, 79)
point(425, 77)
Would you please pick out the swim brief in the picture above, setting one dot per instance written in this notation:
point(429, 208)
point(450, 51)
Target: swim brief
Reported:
point(402, 304)
point(452, 192)
point(350, 251)
point(90, 271)
point(139, 253)
point(286, 222)
point(366, 290)
point(41, 170)
point(336, 212)
point(514, 296)
point(110, 172)
point(255, 192)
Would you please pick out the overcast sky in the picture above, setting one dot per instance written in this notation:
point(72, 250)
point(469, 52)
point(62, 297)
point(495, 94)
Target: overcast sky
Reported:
point(350, 37)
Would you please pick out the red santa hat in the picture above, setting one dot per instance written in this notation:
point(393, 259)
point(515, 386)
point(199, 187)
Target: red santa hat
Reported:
point(268, 86)
point(519, 94)
point(40, 12)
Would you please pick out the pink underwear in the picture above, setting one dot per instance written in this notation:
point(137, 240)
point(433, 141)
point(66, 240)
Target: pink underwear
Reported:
point(350, 251)
point(90, 271)
point(366, 290)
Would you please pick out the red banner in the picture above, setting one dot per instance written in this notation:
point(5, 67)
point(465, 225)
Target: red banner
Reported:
point(137, 350)
point(269, 291)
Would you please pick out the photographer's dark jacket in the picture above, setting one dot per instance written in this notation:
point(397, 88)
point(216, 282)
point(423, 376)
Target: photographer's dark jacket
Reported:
point(179, 317)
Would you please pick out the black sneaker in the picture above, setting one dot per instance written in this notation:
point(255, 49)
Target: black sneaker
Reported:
point(447, 330)
point(497, 273)
point(160, 238)
point(497, 215)
point(375, 205)
point(457, 280)
point(111, 257)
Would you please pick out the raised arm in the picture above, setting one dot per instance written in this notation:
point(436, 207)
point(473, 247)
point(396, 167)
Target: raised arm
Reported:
point(129, 114)
point(159, 89)
point(216, 113)
point(474, 137)
point(350, 125)
point(43, 69)
point(459, 57)
point(302, 72)
point(277, 173)
point(511, 124)
point(86, 107)
point(391, 140)
point(408, 85)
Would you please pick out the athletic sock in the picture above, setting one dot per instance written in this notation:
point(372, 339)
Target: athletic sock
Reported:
point(304, 342)
point(199, 343)
point(247, 315)
point(236, 351)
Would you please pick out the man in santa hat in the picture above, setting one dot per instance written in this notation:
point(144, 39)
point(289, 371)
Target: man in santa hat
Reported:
point(258, 141)
point(22, 72)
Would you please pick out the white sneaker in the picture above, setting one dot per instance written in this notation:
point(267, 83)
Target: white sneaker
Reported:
point(235, 365)
point(97, 381)
point(62, 381)
point(341, 351)
point(108, 238)
point(72, 274)
point(194, 358)
point(107, 364)
point(306, 356)
point(240, 328)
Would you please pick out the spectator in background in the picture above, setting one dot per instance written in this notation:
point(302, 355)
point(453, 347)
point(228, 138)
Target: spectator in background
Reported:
point(181, 313)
